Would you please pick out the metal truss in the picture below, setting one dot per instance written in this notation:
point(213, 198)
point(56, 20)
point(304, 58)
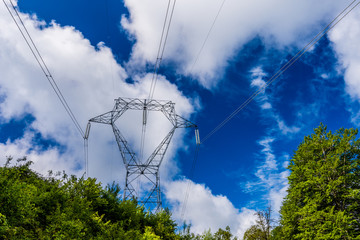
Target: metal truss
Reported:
point(134, 166)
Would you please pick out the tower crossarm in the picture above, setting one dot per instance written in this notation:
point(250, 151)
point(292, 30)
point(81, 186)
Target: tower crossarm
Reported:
point(105, 118)
point(156, 105)
point(128, 103)
point(139, 104)
point(128, 156)
point(183, 123)
point(109, 117)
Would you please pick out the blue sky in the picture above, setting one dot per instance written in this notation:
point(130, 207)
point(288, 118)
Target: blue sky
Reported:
point(100, 50)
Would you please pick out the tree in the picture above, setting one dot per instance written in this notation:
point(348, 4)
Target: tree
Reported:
point(37, 207)
point(223, 234)
point(323, 200)
point(276, 233)
point(262, 229)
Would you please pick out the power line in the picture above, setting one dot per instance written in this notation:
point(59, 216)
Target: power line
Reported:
point(29, 41)
point(316, 39)
point(330, 26)
point(207, 36)
point(188, 187)
point(110, 43)
point(160, 54)
point(109, 38)
point(162, 44)
point(191, 175)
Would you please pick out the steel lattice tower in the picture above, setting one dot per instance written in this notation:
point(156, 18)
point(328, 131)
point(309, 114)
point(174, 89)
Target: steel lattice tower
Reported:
point(134, 166)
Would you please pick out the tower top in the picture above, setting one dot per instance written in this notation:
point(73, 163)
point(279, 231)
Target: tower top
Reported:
point(135, 168)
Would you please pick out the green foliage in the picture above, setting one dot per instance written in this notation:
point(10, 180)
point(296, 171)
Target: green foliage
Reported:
point(276, 233)
point(35, 207)
point(150, 235)
point(221, 234)
point(261, 230)
point(323, 200)
point(254, 233)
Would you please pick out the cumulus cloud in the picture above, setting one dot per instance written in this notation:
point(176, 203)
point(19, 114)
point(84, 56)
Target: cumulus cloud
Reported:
point(90, 78)
point(205, 210)
point(47, 160)
point(279, 23)
point(345, 37)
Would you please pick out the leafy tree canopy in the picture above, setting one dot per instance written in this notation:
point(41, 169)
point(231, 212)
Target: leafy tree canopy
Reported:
point(323, 200)
point(262, 229)
point(221, 234)
point(63, 207)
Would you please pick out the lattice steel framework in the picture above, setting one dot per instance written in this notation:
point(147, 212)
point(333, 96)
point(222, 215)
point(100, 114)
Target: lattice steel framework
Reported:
point(134, 166)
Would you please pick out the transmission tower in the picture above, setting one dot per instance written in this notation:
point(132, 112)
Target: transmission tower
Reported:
point(135, 167)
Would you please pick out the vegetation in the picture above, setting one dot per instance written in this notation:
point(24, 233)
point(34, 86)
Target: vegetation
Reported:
point(221, 234)
point(323, 200)
point(35, 207)
point(262, 229)
point(66, 207)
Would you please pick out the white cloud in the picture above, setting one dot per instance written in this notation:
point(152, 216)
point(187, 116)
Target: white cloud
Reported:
point(90, 79)
point(270, 177)
point(345, 37)
point(266, 106)
point(286, 129)
point(276, 197)
point(258, 82)
point(270, 162)
point(205, 210)
point(44, 161)
point(265, 102)
point(278, 22)
point(271, 174)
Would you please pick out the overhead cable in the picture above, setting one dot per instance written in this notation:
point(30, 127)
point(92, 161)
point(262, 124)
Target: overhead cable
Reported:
point(160, 54)
point(197, 136)
point(207, 36)
point(29, 41)
point(330, 26)
point(188, 186)
point(316, 39)
point(162, 44)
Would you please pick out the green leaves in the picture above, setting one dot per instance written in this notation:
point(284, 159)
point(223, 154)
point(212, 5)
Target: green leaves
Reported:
point(221, 234)
point(323, 196)
point(262, 229)
point(35, 207)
